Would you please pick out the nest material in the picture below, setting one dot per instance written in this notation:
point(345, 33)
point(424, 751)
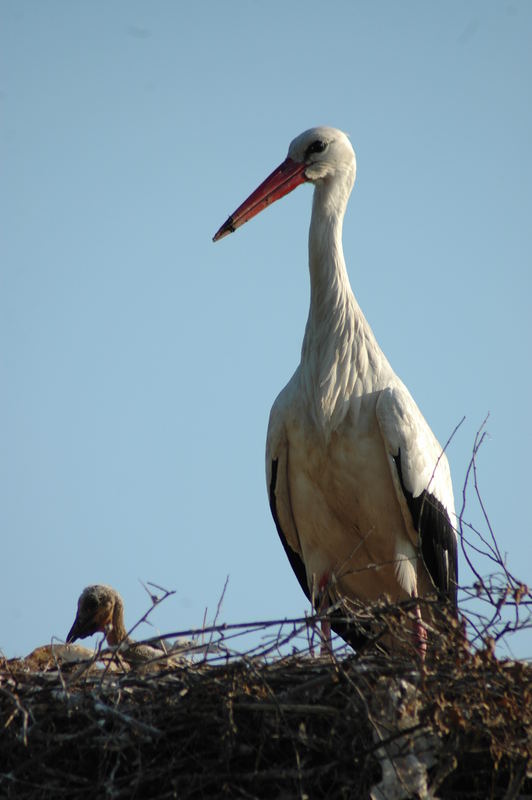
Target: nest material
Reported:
point(252, 726)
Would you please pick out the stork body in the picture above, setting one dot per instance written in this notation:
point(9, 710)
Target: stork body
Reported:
point(53, 656)
point(359, 487)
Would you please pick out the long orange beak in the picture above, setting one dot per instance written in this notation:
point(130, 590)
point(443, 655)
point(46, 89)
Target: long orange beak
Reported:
point(283, 180)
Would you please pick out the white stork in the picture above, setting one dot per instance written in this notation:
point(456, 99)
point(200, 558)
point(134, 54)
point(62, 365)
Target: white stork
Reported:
point(359, 488)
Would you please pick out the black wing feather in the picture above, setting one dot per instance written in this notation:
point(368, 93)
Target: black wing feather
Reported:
point(296, 562)
point(437, 537)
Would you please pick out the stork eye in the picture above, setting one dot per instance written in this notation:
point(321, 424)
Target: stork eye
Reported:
point(316, 147)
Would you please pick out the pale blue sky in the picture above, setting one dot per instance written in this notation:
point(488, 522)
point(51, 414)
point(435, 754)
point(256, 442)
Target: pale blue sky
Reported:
point(139, 361)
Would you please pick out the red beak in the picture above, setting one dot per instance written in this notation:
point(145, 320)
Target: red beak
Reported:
point(283, 180)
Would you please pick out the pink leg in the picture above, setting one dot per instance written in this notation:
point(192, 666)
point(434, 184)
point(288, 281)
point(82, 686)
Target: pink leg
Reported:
point(325, 632)
point(420, 635)
point(326, 643)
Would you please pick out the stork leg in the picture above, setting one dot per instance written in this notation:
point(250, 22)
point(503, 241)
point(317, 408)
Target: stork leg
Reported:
point(325, 625)
point(420, 633)
point(326, 641)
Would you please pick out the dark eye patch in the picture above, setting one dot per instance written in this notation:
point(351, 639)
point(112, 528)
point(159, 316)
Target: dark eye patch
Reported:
point(316, 147)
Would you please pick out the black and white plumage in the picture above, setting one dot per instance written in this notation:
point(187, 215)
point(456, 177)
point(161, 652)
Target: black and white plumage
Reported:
point(359, 487)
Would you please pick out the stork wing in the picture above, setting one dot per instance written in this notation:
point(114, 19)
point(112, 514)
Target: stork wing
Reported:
point(422, 479)
point(278, 491)
point(277, 455)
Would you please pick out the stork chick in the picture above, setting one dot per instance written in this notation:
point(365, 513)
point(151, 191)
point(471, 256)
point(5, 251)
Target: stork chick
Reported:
point(101, 609)
point(51, 656)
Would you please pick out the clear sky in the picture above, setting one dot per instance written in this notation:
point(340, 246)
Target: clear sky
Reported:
point(139, 360)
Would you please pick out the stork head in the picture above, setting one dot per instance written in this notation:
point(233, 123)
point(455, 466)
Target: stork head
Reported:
point(96, 607)
point(326, 153)
point(320, 155)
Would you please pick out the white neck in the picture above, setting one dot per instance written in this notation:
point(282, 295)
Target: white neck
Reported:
point(338, 340)
point(329, 283)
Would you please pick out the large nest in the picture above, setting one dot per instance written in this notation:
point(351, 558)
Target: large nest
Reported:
point(268, 725)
